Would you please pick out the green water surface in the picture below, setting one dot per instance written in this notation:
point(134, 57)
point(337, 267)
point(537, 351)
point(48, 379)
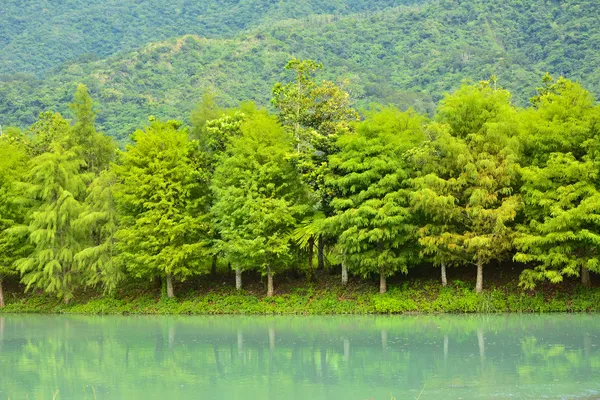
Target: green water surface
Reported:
point(251, 358)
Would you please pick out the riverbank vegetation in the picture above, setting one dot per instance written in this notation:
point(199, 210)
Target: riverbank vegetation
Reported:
point(313, 185)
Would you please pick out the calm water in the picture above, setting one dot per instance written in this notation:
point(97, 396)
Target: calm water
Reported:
point(444, 357)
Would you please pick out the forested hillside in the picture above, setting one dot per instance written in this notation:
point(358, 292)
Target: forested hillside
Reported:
point(38, 35)
point(406, 55)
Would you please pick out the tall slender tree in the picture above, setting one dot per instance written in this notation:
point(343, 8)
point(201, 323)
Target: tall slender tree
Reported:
point(95, 148)
point(316, 114)
point(162, 198)
point(13, 164)
point(560, 185)
point(466, 190)
point(259, 198)
point(55, 186)
point(373, 218)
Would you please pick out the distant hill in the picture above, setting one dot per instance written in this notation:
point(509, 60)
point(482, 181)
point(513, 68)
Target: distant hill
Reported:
point(39, 35)
point(405, 55)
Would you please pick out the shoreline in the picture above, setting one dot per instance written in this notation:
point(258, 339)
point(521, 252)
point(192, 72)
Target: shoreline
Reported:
point(418, 298)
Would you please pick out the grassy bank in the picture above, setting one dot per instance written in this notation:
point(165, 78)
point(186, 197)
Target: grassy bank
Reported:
point(325, 297)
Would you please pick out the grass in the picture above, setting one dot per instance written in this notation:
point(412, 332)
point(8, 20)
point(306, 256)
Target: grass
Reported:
point(327, 296)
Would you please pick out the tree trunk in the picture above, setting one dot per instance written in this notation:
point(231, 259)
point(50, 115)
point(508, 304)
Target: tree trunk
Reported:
point(1, 294)
point(479, 284)
point(382, 282)
point(344, 274)
point(170, 293)
point(213, 267)
point(585, 278)
point(321, 252)
point(311, 253)
point(238, 278)
point(444, 279)
point(269, 283)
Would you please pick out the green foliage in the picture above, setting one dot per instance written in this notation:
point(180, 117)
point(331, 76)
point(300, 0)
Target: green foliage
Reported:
point(162, 204)
point(39, 36)
point(55, 187)
point(389, 53)
point(98, 222)
point(96, 149)
point(560, 188)
point(420, 297)
point(373, 218)
point(258, 197)
point(468, 200)
point(13, 165)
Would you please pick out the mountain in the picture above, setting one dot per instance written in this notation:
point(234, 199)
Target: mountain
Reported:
point(407, 55)
point(39, 35)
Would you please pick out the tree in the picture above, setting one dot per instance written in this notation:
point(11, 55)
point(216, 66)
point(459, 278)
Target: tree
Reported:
point(207, 110)
point(96, 149)
point(258, 198)
point(373, 218)
point(162, 201)
point(466, 188)
point(49, 128)
point(13, 164)
point(98, 224)
point(560, 185)
point(55, 186)
point(316, 114)
point(214, 140)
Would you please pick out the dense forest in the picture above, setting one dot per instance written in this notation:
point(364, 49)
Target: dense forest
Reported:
point(307, 184)
point(398, 52)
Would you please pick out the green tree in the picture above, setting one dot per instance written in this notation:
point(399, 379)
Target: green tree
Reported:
point(560, 186)
point(96, 149)
point(162, 202)
point(55, 187)
point(373, 216)
point(316, 114)
point(258, 198)
point(207, 110)
point(466, 189)
point(98, 224)
point(13, 164)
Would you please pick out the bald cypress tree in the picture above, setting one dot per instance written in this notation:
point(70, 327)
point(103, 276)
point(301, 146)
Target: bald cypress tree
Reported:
point(162, 199)
point(376, 233)
point(466, 190)
point(95, 148)
point(560, 185)
point(55, 187)
point(258, 198)
point(13, 164)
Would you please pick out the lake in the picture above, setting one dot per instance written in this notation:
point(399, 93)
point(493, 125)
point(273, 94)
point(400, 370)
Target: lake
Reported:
point(353, 357)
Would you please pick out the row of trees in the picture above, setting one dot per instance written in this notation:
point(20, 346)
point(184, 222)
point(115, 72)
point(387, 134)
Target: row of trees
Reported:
point(380, 193)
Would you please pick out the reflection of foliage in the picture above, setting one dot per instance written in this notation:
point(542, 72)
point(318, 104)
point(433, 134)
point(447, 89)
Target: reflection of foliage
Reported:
point(554, 361)
point(130, 357)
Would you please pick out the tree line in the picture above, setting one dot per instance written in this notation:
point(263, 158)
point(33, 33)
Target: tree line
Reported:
point(315, 182)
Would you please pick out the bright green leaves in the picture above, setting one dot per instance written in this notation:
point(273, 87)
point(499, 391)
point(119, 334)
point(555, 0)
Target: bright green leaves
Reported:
point(55, 186)
point(376, 233)
point(97, 224)
point(162, 200)
point(13, 165)
point(96, 149)
point(259, 197)
point(560, 187)
point(466, 191)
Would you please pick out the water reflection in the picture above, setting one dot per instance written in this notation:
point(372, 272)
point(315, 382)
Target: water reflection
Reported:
point(478, 357)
